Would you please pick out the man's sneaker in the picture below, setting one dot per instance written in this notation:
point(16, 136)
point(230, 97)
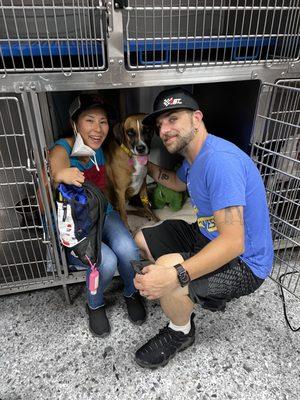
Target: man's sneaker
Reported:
point(136, 309)
point(98, 322)
point(162, 347)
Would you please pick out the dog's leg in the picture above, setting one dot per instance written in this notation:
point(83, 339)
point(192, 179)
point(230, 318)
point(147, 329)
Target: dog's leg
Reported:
point(146, 203)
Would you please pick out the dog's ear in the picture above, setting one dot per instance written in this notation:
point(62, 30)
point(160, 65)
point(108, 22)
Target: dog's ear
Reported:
point(153, 130)
point(149, 130)
point(118, 132)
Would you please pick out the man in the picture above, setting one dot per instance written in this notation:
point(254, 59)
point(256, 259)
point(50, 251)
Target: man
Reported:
point(227, 253)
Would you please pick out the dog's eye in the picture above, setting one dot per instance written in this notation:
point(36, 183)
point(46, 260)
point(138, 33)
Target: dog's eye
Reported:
point(130, 133)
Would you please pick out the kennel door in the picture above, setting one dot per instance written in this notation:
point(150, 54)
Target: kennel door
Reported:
point(26, 253)
point(276, 150)
point(52, 36)
point(185, 33)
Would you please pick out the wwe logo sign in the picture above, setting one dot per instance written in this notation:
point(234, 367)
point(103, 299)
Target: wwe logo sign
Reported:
point(172, 102)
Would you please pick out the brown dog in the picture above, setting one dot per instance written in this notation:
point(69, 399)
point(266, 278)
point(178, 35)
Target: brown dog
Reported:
point(126, 164)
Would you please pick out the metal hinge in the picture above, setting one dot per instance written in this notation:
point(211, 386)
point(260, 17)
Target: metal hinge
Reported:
point(116, 4)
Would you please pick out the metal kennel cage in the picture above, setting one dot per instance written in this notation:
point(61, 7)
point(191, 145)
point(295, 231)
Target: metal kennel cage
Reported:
point(30, 255)
point(47, 44)
point(52, 46)
point(276, 150)
point(51, 35)
point(188, 33)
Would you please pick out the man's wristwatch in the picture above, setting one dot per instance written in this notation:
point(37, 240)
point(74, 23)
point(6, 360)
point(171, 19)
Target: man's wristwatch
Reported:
point(182, 274)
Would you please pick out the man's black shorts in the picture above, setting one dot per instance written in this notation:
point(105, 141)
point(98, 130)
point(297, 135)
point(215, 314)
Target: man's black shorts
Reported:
point(233, 280)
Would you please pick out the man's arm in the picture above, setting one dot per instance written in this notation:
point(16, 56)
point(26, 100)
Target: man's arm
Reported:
point(227, 246)
point(166, 177)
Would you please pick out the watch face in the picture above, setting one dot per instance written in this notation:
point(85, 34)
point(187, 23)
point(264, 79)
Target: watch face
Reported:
point(182, 274)
point(183, 278)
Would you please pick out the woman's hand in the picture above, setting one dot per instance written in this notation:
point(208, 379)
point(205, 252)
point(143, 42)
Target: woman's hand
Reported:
point(70, 176)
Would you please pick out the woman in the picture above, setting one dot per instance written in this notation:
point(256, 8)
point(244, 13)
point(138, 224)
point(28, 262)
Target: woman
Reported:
point(74, 160)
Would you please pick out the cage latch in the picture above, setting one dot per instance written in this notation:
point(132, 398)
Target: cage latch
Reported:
point(31, 166)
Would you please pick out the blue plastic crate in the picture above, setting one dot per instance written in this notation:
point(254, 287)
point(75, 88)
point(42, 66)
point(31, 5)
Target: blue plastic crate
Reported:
point(50, 49)
point(166, 46)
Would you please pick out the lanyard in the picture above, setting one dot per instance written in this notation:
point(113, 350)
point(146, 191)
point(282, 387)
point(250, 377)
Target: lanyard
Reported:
point(93, 278)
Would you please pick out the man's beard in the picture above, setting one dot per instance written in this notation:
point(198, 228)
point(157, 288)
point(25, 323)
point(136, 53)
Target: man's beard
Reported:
point(181, 143)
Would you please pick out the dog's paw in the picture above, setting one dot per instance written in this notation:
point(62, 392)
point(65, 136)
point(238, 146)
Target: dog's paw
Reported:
point(150, 215)
point(155, 218)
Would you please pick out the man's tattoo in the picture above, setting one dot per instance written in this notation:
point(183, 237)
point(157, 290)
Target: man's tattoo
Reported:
point(240, 215)
point(162, 175)
point(229, 218)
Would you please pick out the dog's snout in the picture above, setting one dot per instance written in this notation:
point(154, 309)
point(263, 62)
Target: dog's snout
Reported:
point(141, 148)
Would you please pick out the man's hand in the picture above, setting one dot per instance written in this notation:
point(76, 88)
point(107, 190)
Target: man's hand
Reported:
point(156, 281)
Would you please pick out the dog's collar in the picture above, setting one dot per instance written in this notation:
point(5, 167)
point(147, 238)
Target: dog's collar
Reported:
point(126, 150)
point(141, 159)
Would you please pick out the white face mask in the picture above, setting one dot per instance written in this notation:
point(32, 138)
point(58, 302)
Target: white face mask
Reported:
point(82, 150)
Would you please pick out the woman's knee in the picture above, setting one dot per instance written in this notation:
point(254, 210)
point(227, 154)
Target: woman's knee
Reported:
point(109, 261)
point(125, 245)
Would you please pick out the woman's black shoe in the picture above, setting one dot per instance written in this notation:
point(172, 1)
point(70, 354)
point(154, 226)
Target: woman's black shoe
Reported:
point(98, 322)
point(136, 309)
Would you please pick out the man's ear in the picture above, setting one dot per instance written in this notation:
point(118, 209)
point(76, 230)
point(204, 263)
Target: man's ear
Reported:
point(118, 132)
point(198, 115)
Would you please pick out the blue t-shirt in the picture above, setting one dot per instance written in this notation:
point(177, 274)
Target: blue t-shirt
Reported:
point(221, 176)
point(91, 173)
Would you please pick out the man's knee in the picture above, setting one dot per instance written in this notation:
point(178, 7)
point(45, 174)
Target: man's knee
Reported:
point(177, 293)
point(170, 259)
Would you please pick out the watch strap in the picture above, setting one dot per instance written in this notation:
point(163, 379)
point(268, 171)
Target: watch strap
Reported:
point(182, 274)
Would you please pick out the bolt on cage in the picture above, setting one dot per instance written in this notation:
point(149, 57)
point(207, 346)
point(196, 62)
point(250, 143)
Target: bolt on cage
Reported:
point(276, 150)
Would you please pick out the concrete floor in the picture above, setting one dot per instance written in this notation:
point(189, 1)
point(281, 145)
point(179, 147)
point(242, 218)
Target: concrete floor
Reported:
point(47, 352)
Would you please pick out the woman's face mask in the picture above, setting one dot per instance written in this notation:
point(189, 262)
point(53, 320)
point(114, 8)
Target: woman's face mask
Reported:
point(82, 150)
